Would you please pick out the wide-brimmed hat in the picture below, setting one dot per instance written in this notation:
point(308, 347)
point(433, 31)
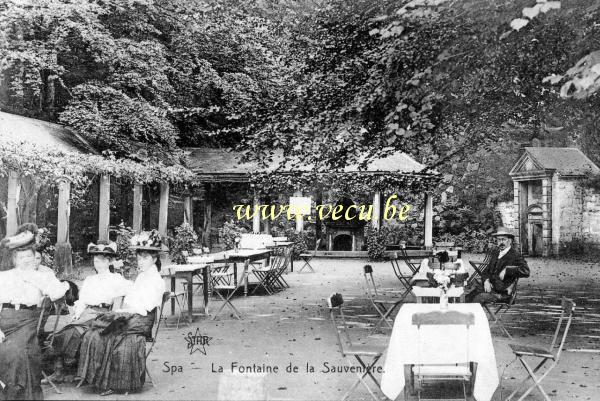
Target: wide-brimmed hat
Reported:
point(102, 249)
point(147, 241)
point(504, 231)
point(24, 238)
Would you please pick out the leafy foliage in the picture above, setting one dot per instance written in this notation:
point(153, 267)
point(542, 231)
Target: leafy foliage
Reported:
point(229, 232)
point(184, 241)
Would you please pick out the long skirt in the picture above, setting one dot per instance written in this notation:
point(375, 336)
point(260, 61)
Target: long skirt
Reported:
point(113, 357)
point(67, 340)
point(20, 355)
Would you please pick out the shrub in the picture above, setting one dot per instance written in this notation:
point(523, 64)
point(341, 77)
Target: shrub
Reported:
point(376, 242)
point(229, 232)
point(45, 247)
point(185, 240)
point(122, 236)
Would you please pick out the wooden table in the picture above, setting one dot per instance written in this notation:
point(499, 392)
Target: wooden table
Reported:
point(241, 255)
point(188, 272)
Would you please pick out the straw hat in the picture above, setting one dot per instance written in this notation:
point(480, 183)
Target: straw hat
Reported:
point(504, 231)
point(102, 249)
point(147, 241)
point(24, 238)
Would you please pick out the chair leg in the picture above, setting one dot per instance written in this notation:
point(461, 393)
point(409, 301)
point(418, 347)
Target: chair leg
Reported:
point(226, 301)
point(150, 377)
point(511, 395)
point(536, 381)
point(51, 383)
point(367, 369)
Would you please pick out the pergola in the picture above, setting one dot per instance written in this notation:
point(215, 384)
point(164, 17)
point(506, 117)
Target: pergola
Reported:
point(21, 137)
point(211, 165)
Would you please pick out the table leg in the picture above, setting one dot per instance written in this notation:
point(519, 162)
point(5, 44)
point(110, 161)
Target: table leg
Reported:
point(246, 264)
point(235, 274)
point(205, 287)
point(190, 295)
point(292, 262)
point(173, 299)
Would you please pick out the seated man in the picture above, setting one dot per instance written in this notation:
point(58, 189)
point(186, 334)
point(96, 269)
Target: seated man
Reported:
point(506, 266)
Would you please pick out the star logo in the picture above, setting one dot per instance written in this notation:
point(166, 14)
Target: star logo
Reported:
point(197, 342)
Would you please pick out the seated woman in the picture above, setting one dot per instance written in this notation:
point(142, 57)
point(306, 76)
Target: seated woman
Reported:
point(113, 351)
point(22, 290)
point(96, 296)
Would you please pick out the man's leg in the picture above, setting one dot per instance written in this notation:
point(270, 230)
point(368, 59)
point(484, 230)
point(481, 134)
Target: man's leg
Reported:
point(484, 297)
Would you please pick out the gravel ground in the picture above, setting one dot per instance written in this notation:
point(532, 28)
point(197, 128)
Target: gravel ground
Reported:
point(292, 329)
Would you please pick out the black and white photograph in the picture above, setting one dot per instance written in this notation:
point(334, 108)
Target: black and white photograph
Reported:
point(300, 200)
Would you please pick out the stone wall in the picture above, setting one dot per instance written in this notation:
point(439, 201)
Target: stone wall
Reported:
point(508, 213)
point(590, 227)
point(569, 195)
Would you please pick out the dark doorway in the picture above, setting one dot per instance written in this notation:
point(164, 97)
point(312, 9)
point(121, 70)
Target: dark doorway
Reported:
point(342, 242)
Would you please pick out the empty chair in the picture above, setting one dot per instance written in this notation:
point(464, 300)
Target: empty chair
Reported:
point(308, 256)
point(354, 353)
point(226, 288)
point(463, 370)
point(544, 355)
point(383, 304)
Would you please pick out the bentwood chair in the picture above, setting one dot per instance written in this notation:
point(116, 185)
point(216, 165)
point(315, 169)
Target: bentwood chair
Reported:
point(350, 350)
point(463, 370)
point(46, 306)
point(544, 354)
point(152, 341)
point(383, 304)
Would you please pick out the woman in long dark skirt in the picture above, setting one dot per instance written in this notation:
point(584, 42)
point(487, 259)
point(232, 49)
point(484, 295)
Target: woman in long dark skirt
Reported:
point(113, 351)
point(22, 290)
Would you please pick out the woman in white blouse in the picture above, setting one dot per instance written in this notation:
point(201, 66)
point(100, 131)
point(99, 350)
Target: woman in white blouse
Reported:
point(22, 290)
point(113, 354)
point(97, 295)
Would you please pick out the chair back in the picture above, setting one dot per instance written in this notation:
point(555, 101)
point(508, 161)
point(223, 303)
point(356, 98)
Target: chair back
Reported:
point(480, 267)
point(317, 244)
point(158, 313)
point(513, 293)
point(335, 301)
point(450, 317)
point(566, 317)
point(371, 288)
point(46, 302)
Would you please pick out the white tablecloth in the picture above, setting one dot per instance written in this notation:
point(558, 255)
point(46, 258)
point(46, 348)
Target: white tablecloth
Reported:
point(453, 292)
point(443, 345)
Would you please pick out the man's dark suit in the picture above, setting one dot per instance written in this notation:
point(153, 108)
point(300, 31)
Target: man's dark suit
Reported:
point(500, 286)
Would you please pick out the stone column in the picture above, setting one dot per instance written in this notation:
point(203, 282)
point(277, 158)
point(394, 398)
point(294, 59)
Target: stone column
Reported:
point(256, 215)
point(547, 216)
point(62, 253)
point(522, 213)
point(104, 208)
point(206, 226)
point(376, 218)
point(555, 215)
point(428, 221)
point(163, 209)
point(12, 221)
point(188, 210)
point(138, 197)
point(299, 217)
point(516, 221)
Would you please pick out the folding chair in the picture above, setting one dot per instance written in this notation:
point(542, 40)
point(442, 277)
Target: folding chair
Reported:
point(521, 351)
point(405, 279)
point(307, 257)
point(480, 268)
point(463, 370)
point(221, 288)
point(58, 305)
point(176, 295)
point(497, 308)
point(349, 350)
point(384, 305)
point(165, 298)
point(271, 277)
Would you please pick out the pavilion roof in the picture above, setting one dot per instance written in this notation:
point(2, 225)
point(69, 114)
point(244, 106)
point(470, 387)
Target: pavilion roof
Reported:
point(215, 164)
point(564, 161)
point(15, 128)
